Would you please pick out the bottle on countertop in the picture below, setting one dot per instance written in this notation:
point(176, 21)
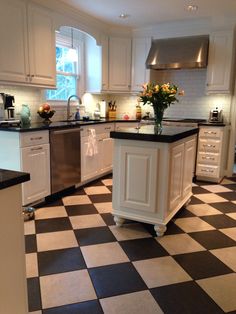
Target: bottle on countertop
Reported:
point(77, 114)
point(138, 112)
point(25, 115)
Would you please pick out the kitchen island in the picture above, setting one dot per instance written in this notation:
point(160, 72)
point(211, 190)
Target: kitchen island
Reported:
point(152, 173)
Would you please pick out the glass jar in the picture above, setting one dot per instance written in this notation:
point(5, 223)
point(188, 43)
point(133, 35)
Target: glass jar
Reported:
point(25, 116)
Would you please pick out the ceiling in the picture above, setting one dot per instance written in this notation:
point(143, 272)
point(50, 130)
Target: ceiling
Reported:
point(142, 13)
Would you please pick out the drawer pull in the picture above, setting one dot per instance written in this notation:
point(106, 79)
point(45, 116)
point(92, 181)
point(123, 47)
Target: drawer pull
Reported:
point(208, 158)
point(36, 149)
point(210, 132)
point(36, 138)
point(207, 170)
point(108, 128)
point(209, 145)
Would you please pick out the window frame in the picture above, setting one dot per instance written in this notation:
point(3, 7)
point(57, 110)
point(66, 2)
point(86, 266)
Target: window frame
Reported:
point(63, 39)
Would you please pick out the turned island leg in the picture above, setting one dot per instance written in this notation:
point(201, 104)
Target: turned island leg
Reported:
point(160, 229)
point(119, 221)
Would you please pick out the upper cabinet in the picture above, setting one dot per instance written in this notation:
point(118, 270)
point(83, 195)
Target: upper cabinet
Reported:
point(139, 75)
point(119, 64)
point(220, 63)
point(27, 54)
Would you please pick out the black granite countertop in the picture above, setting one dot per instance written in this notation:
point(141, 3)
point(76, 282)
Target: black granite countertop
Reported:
point(9, 178)
point(57, 124)
point(169, 134)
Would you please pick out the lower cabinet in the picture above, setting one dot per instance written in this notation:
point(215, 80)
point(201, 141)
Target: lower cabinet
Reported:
point(28, 152)
point(35, 160)
point(95, 163)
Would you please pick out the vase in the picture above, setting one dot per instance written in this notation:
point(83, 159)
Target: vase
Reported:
point(25, 116)
point(158, 117)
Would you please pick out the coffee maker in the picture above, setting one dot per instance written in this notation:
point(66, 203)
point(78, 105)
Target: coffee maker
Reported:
point(7, 110)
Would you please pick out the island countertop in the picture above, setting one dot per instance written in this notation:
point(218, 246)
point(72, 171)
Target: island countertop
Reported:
point(9, 178)
point(169, 134)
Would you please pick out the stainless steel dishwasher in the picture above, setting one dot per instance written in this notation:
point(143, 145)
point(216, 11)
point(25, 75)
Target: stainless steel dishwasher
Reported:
point(65, 158)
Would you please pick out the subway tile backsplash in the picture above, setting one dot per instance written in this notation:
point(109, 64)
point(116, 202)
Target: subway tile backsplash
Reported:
point(194, 104)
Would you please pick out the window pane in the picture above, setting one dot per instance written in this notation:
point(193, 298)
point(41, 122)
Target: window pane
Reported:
point(66, 59)
point(66, 86)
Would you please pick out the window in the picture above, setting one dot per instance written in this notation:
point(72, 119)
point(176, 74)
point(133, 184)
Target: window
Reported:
point(67, 61)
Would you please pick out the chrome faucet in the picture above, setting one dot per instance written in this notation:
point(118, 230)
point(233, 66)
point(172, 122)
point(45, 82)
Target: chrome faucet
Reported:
point(68, 105)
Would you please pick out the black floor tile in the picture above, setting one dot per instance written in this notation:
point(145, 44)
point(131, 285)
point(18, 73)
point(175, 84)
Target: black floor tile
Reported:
point(202, 183)
point(225, 207)
point(183, 213)
point(100, 198)
point(88, 307)
point(109, 188)
point(142, 249)
point(34, 297)
point(199, 190)
point(30, 243)
point(201, 265)
point(230, 196)
point(97, 182)
point(184, 298)
point(212, 239)
point(172, 228)
point(59, 261)
point(90, 236)
point(79, 191)
point(195, 201)
point(116, 279)
point(232, 178)
point(76, 210)
point(52, 224)
point(220, 221)
point(108, 219)
point(57, 202)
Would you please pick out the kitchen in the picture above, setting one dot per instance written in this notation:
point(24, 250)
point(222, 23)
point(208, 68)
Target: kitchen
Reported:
point(196, 104)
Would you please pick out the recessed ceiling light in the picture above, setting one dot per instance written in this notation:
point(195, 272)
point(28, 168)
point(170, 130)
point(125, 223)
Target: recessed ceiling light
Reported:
point(123, 16)
point(192, 8)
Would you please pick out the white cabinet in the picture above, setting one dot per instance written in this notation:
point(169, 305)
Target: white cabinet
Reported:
point(212, 153)
point(119, 66)
point(152, 180)
point(220, 63)
point(139, 75)
point(27, 54)
point(28, 152)
point(95, 164)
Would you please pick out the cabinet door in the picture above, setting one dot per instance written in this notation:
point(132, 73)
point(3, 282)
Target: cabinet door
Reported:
point(119, 64)
point(176, 175)
point(104, 42)
point(90, 165)
point(13, 38)
point(189, 165)
point(35, 160)
point(219, 70)
point(107, 154)
point(41, 46)
point(140, 75)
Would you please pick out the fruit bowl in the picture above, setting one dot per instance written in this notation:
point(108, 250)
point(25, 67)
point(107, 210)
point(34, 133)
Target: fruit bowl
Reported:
point(46, 114)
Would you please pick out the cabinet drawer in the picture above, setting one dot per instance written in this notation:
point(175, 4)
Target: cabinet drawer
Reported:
point(207, 171)
point(205, 145)
point(99, 129)
point(210, 159)
point(214, 133)
point(34, 138)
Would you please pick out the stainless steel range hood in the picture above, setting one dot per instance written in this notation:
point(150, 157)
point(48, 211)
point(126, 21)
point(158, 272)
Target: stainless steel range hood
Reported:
point(178, 53)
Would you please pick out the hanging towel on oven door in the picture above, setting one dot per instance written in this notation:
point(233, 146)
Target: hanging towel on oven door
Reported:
point(92, 147)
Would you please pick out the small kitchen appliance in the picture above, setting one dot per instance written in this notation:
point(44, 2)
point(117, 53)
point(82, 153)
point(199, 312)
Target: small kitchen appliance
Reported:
point(216, 115)
point(7, 110)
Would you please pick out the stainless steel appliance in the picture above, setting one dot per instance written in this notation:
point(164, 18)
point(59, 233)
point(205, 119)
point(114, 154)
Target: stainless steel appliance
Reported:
point(65, 154)
point(216, 116)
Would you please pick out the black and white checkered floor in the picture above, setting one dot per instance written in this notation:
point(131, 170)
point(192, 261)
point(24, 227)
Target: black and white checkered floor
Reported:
point(79, 262)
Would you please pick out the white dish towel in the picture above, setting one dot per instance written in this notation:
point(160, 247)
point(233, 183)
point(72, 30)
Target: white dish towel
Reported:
point(92, 147)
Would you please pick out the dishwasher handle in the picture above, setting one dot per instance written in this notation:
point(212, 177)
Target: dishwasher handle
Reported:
point(66, 131)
